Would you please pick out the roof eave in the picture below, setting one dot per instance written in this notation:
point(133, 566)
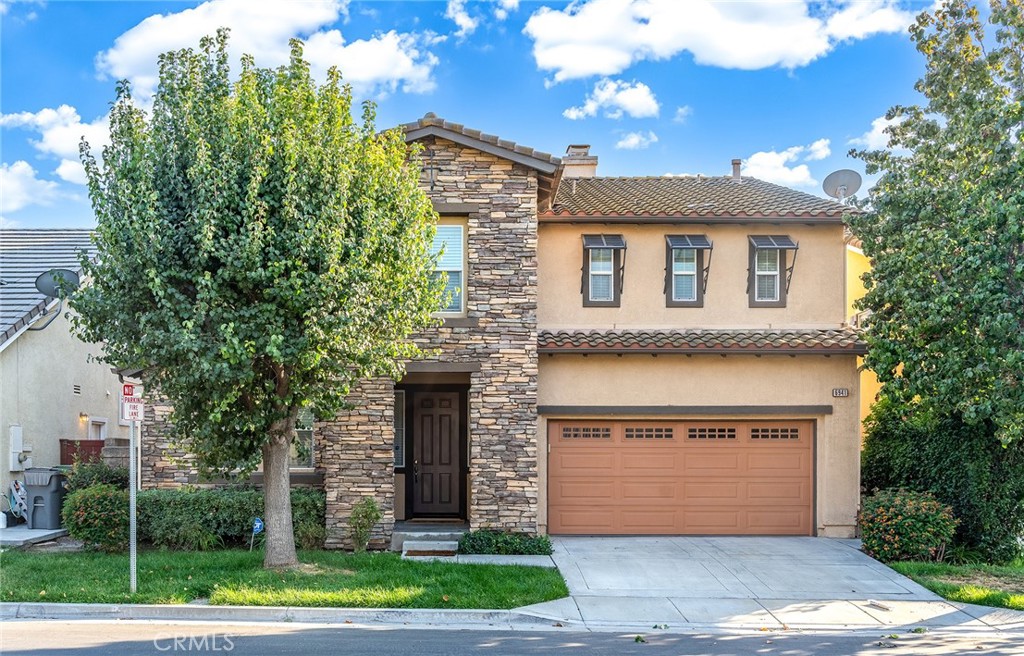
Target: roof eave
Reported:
point(719, 350)
point(536, 163)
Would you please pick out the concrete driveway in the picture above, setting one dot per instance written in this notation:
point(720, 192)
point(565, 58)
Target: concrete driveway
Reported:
point(739, 581)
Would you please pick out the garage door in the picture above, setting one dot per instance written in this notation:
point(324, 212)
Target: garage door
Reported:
point(680, 477)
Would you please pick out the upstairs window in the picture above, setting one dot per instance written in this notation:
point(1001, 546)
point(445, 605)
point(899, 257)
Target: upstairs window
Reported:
point(449, 241)
point(303, 444)
point(602, 270)
point(768, 277)
point(685, 272)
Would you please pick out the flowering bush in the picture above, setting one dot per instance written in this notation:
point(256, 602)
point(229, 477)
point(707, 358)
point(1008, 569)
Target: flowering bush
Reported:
point(98, 516)
point(905, 525)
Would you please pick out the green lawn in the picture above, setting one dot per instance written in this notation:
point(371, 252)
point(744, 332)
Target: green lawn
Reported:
point(988, 585)
point(337, 579)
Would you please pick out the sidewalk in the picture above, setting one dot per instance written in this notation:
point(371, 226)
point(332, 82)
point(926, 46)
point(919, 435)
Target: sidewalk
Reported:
point(711, 615)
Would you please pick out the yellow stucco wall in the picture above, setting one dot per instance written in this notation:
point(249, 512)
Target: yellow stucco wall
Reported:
point(816, 298)
point(857, 264)
point(711, 380)
point(38, 372)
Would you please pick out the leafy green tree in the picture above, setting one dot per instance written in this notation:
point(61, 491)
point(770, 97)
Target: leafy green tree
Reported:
point(259, 252)
point(945, 224)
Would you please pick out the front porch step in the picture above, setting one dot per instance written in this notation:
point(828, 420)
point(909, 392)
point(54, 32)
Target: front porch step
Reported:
point(432, 547)
point(404, 532)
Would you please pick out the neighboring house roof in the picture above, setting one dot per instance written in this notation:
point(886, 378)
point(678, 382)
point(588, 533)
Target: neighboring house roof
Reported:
point(24, 254)
point(695, 197)
point(548, 167)
point(845, 340)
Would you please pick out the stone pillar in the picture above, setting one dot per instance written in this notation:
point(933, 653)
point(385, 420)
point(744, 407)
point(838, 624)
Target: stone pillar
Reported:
point(355, 451)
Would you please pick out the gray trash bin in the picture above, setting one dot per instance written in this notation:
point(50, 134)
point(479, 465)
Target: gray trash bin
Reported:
point(44, 489)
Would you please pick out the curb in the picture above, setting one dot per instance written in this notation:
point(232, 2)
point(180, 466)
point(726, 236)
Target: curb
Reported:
point(466, 619)
point(191, 613)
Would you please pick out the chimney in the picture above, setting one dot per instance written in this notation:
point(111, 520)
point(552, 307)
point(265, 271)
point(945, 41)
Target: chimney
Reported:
point(736, 170)
point(578, 162)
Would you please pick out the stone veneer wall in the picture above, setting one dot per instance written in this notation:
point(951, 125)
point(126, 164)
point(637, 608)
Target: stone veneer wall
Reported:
point(355, 451)
point(501, 298)
point(164, 464)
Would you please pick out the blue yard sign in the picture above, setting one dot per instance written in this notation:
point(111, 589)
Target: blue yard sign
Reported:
point(257, 527)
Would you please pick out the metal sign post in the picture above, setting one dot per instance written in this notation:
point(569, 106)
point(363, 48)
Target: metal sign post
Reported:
point(131, 409)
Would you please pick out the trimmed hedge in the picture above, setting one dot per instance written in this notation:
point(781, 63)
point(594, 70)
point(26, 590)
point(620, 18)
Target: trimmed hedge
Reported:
point(505, 544)
point(187, 519)
point(905, 525)
point(963, 465)
point(87, 474)
point(196, 519)
point(98, 516)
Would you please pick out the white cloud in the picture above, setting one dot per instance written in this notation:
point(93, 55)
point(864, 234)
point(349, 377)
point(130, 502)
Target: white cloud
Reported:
point(682, 113)
point(616, 97)
point(19, 187)
point(636, 140)
point(61, 130)
point(777, 167)
point(605, 37)
point(875, 138)
point(818, 150)
point(504, 8)
point(383, 62)
point(456, 11)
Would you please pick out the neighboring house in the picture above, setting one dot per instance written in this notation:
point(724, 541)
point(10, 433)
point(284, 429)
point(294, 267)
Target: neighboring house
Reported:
point(622, 356)
point(51, 386)
point(857, 264)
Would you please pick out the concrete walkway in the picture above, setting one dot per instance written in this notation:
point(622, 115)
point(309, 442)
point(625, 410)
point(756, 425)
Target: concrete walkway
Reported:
point(756, 583)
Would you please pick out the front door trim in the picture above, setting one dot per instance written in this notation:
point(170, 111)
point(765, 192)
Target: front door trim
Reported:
point(412, 391)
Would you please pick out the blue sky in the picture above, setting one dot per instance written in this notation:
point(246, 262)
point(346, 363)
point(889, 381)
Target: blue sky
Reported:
point(655, 86)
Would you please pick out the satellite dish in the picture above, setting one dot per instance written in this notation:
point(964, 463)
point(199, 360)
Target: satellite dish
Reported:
point(56, 283)
point(841, 184)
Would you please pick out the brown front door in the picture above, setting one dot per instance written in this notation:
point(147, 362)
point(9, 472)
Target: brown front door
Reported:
point(435, 467)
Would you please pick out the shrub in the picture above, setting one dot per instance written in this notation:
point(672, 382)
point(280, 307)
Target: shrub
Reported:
point(906, 525)
point(310, 535)
point(198, 519)
point(365, 515)
point(496, 542)
point(965, 466)
point(98, 516)
point(86, 474)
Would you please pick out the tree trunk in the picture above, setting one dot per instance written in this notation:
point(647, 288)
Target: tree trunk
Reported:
point(277, 499)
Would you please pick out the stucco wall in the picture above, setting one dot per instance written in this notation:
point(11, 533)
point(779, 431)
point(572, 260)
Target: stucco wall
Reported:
point(38, 372)
point(857, 264)
point(711, 380)
point(816, 297)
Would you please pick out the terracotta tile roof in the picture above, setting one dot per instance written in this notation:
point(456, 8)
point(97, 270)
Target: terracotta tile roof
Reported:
point(431, 120)
point(24, 254)
point(845, 340)
point(688, 196)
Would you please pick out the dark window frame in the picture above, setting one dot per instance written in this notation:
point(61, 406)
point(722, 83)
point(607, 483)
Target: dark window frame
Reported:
point(699, 244)
point(752, 279)
point(617, 246)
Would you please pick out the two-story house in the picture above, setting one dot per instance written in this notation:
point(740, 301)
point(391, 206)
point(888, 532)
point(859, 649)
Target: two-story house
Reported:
point(619, 356)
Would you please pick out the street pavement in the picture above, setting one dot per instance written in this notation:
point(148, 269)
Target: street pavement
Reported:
point(139, 638)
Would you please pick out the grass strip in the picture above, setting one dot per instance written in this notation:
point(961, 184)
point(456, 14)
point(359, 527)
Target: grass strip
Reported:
point(235, 577)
